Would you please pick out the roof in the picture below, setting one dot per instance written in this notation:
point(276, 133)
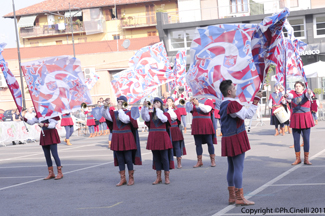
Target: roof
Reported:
point(63, 5)
point(80, 48)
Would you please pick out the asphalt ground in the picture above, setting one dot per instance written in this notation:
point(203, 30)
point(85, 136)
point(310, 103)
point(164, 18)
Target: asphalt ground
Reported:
point(88, 186)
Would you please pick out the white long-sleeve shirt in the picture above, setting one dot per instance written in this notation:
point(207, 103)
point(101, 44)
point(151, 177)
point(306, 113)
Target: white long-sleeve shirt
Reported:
point(52, 122)
point(204, 108)
point(121, 115)
point(290, 96)
point(159, 113)
point(244, 113)
point(172, 114)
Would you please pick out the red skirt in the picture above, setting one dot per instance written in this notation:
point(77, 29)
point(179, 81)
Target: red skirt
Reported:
point(51, 137)
point(301, 120)
point(90, 122)
point(159, 140)
point(176, 134)
point(123, 142)
point(202, 127)
point(102, 120)
point(235, 145)
point(182, 111)
point(66, 121)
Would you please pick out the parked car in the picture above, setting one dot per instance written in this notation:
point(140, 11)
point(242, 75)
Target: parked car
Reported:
point(7, 115)
point(1, 114)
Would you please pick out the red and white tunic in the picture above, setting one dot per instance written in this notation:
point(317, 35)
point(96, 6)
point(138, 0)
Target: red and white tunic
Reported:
point(176, 121)
point(51, 135)
point(66, 120)
point(301, 117)
point(122, 136)
point(158, 138)
point(90, 119)
point(234, 137)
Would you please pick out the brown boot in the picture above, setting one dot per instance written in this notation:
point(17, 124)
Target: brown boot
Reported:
point(123, 179)
point(232, 194)
point(297, 161)
point(289, 130)
point(213, 160)
point(306, 161)
point(158, 180)
point(185, 130)
point(220, 134)
point(167, 178)
point(276, 132)
point(240, 199)
point(285, 129)
point(131, 178)
point(59, 175)
point(302, 144)
point(179, 164)
point(51, 173)
point(91, 135)
point(316, 122)
point(109, 144)
point(292, 146)
point(65, 140)
point(68, 142)
point(199, 162)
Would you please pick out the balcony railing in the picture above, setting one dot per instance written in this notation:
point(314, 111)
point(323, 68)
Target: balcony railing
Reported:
point(138, 21)
point(49, 30)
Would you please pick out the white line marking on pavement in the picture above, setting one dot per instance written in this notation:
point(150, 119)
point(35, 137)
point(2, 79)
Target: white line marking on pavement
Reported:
point(64, 173)
point(102, 207)
point(21, 177)
point(72, 148)
point(303, 184)
point(268, 184)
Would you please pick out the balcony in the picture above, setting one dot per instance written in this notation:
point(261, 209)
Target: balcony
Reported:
point(138, 21)
point(51, 30)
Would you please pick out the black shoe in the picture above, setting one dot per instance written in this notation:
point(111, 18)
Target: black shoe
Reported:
point(13, 142)
point(20, 142)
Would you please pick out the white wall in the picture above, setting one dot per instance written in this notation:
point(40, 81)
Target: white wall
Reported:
point(189, 10)
point(224, 10)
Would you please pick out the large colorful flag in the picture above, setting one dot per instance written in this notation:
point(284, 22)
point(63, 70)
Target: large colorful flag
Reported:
point(11, 80)
point(239, 52)
point(266, 38)
point(223, 52)
point(179, 70)
point(148, 69)
point(56, 85)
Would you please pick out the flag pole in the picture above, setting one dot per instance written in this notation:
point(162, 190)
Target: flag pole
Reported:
point(19, 59)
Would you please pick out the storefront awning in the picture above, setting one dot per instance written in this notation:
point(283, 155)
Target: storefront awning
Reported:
point(74, 14)
point(26, 21)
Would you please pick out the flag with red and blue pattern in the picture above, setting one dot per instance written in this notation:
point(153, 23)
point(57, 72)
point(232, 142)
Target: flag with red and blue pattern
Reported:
point(11, 80)
point(56, 85)
point(179, 70)
point(148, 69)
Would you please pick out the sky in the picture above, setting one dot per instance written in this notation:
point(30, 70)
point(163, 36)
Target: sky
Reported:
point(7, 25)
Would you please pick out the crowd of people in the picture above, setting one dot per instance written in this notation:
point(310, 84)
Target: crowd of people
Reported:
point(163, 117)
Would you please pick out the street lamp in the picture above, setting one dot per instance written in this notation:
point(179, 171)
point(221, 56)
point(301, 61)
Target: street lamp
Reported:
point(19, 60)
point(71, 26)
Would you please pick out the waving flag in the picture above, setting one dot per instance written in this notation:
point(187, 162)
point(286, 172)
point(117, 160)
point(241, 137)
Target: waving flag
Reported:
point(11, 80)
point(267, 43)
point(223, 52)
point(148, 69)
point(179, 70)
point(56, 85)
point(91, 79)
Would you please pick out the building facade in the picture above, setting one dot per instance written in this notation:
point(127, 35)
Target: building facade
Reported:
point(306, 17)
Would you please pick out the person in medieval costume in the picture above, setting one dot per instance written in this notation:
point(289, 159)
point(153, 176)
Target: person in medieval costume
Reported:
point(275, 102)
point(67, 123)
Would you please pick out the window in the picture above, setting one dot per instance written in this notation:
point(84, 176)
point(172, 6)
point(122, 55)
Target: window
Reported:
point(180, 39)
point(119, 13)
point(33, 44)
point(238, 6)
point(107, 14)
point(36, 23)
point(82, 40)
point(293, 3)
point(151, 33)
point(58, 42)
point(319, 26)
point(116, 37)
point(298, 26)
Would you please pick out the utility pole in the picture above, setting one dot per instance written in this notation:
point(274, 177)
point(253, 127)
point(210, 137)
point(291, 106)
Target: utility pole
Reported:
point(18, 49)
